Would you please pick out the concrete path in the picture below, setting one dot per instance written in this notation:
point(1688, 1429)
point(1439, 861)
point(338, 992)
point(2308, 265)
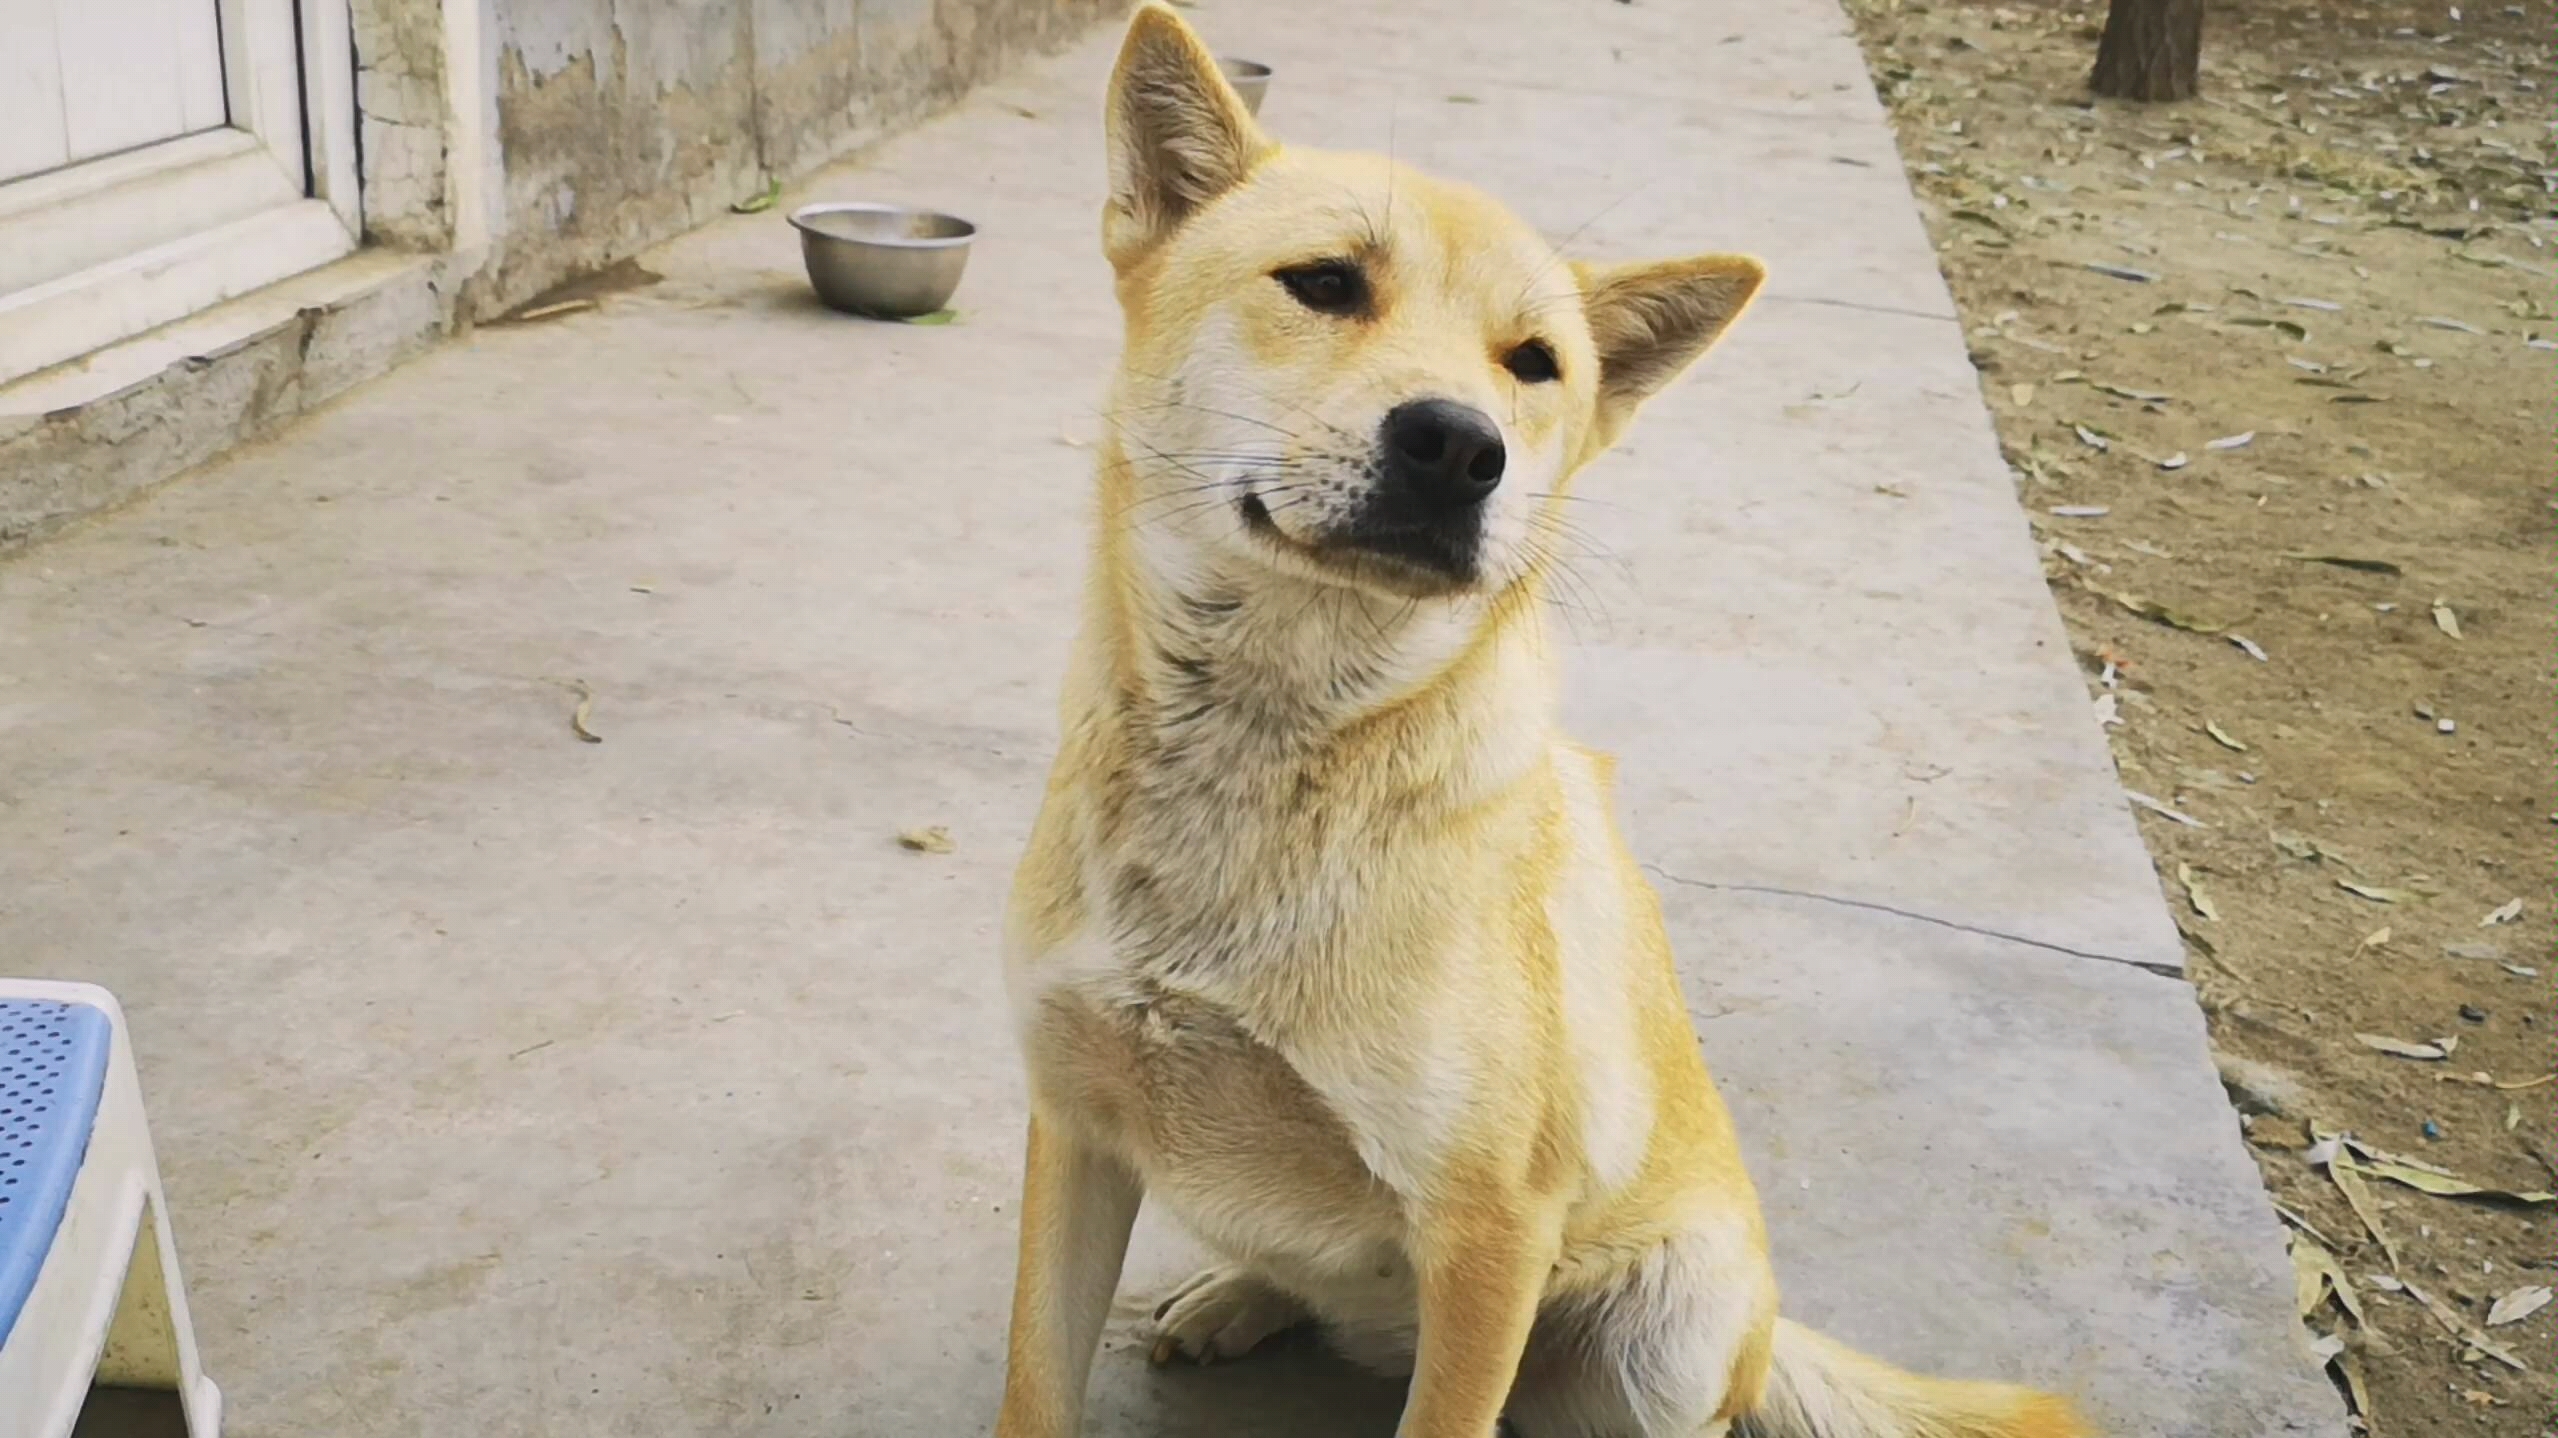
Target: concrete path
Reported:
point(512, 1085)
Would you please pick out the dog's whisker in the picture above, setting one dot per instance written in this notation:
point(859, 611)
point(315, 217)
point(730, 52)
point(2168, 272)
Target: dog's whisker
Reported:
point(1555, 254)
point(1261, 393)
point(1576, 545)
point(1394, 112)
point(1568, 590)
point(1566, 497)
point(1169, 404)
point(1227, 493)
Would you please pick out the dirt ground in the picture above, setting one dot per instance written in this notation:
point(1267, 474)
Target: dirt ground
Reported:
point(2271, 368)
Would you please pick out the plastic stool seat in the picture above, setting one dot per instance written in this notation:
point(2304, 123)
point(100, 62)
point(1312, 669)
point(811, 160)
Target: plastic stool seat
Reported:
point(90, 1293)
point(53, 1069)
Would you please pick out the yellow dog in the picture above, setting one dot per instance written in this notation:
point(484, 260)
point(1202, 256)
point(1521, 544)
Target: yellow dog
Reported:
point(1326, 938)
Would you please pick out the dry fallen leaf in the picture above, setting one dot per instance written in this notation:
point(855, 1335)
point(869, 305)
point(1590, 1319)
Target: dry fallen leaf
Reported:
point(579, 718)
point(2223, 738)
point(2378, 894)
point(549, 312)
point(2348, 1363)
point(2357, 1149)
point(2316, 1275)
point(2232, 441)
point(2516, 1306)
point(2163, 811)
point(2310, 847)
point(2138, 396)
point(2446, 620)
point(933, 839)
point(2507, 912)
point(2449, 1317)
point(2161, 613)
point(2290, 328)
point(2194, 894)
point(2328, 1154)
point(2425, 1179)
point(2351, 561)
point(2403, 1048)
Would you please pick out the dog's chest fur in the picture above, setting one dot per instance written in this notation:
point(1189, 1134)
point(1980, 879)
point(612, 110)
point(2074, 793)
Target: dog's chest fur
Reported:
point(1216, 1014)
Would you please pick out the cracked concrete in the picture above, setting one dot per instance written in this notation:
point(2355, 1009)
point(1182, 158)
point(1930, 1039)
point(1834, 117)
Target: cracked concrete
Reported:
point(647, 1086)
point(1779, 891)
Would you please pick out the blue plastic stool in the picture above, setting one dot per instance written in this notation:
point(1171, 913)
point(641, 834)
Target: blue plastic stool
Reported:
point(89, 1289)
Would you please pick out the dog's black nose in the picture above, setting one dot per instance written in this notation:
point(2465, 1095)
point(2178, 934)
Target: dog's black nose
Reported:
point(1444, 454)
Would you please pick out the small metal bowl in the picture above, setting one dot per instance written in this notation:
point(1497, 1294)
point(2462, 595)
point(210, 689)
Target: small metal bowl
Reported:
point(1250, 79)
point(885, 261)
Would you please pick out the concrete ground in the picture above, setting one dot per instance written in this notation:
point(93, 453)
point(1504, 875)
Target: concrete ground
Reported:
point(513, 1085)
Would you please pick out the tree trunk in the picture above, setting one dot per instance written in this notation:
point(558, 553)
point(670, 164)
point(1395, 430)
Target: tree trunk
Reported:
point(2152, 50)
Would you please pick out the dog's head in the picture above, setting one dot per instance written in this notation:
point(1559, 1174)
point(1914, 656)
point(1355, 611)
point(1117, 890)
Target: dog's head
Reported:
point(1347, 370)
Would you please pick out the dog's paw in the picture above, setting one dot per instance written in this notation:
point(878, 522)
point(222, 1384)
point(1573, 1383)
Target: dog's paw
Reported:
point(1221, 1312)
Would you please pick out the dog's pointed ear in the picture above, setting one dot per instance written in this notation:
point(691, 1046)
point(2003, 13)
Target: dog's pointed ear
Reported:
point(1650, 321)
point(1178, 136)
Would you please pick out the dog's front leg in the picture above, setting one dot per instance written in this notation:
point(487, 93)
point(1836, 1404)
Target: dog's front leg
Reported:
point(1077, 1205)
point(1482, 1265)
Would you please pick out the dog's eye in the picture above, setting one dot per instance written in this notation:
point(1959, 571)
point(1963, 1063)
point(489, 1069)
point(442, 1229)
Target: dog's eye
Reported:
point(1532, 363)
point(1332, 287)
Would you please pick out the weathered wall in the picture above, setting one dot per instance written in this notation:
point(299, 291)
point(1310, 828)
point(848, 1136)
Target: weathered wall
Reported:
point(508, 146)
point(616, 123)
point(234, 374)
point(402, 118)
point(621, 122)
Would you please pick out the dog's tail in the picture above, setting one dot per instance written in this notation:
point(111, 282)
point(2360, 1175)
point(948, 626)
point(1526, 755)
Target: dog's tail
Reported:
point(1820, 1388)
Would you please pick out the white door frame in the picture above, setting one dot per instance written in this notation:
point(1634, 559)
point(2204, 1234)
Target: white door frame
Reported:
point(136, 240)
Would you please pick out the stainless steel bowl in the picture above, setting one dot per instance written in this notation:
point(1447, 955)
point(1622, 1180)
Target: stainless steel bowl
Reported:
point(1251, 80)
point(886, 261)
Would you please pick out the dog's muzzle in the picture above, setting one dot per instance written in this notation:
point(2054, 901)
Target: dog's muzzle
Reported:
point(1438, 461)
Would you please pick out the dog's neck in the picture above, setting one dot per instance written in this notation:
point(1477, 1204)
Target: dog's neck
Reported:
point(1221, 666)
point(1251, 745)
